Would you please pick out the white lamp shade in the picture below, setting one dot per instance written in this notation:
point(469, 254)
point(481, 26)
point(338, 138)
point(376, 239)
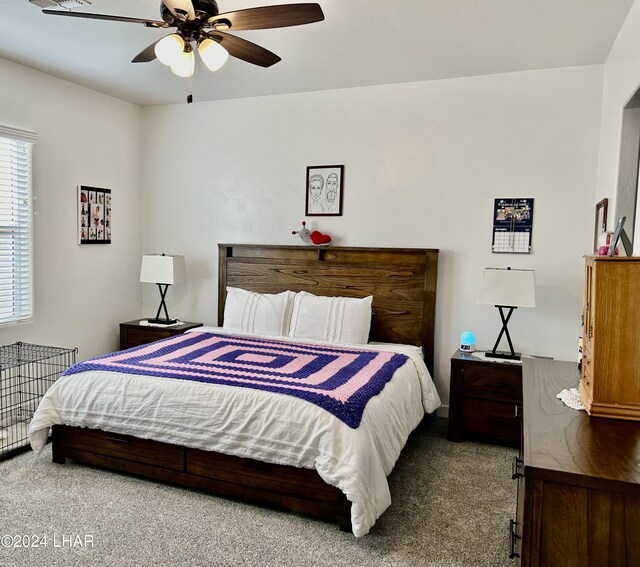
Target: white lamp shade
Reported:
point(160, 269)
point(213, 55)
point(184, 65)
point(169, 49)
point(507, 287)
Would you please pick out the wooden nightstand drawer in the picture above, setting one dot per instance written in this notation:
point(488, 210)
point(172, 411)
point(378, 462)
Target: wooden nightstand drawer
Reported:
point(133, 334)
point(491, 419)
point(137, 337)
point(489, 382)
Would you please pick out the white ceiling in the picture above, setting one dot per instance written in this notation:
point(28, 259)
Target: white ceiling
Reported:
point(361, 42)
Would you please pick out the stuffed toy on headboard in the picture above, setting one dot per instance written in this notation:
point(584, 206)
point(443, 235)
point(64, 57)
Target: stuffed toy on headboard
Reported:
point(315, 238)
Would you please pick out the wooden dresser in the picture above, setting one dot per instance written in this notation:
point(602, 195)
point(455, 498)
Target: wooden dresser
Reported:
point(610, 384)
point(578, 479)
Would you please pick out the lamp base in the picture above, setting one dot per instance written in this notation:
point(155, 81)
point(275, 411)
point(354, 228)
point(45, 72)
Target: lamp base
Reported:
point(507, 355)
point(162, 321)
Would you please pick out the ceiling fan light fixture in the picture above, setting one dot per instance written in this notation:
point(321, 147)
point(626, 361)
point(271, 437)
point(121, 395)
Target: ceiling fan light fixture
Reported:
point(199, 23)
point(169, 49)
point(213, 55)
point(222, 24)
point(182, 9)
point(185, 65)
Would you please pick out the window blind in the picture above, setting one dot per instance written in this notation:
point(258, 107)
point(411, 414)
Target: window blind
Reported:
point(16, 265)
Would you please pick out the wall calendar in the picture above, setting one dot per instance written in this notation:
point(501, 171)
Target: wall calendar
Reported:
point(512, 226)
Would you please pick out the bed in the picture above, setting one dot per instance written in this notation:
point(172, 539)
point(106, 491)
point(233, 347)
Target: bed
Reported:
point(403, 285)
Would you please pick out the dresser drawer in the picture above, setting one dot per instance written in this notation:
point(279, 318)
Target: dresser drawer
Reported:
point(120, 446)
point(490, 419)
point(587, 371)
point(257, 474)
point(492, 382)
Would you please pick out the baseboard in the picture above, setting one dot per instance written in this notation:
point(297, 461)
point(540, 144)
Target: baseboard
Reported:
point(443, 411)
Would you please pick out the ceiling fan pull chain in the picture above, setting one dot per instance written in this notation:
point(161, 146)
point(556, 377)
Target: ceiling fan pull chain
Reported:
point(189, 90)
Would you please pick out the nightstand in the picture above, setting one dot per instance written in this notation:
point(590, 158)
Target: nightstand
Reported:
point(132, 333)
point(483, 398)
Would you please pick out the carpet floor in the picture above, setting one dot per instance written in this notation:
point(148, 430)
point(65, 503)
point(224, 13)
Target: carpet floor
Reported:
point(451, 507)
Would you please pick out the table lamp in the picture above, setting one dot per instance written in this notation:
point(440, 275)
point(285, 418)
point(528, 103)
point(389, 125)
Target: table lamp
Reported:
point(163, 271)
point(507, 289)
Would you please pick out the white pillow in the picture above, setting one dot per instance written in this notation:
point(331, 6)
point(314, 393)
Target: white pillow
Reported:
point(335, 319)
point(262, 313)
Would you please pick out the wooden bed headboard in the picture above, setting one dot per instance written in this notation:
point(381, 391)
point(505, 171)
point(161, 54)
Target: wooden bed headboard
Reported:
point(402, 282)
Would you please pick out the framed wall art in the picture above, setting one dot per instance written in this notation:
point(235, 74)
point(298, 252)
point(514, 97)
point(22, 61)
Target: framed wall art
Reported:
point(600, 222)
point(324, 190)
point(94, 215)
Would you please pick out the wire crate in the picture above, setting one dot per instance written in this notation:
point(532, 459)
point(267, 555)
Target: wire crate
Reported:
point(26, 373)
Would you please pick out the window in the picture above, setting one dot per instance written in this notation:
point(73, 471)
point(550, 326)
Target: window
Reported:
point(16, 266)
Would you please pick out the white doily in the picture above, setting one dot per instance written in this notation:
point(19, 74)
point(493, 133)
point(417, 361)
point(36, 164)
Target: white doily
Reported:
point(481, 355)
point(571, 398)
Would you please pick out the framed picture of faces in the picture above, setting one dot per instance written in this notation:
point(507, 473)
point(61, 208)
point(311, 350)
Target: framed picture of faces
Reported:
point(324, 190)
point(94, 215)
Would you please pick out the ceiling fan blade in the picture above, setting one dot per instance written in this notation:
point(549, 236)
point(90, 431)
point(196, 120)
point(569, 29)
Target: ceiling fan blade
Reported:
point(183, 7)
point(148, 23)
point(243, 49)
point(147, 54)
point(267, 17)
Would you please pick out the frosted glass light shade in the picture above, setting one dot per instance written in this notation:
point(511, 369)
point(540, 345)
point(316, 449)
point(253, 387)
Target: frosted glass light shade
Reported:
point(160, 269)
point(509, 288)
point(185, 6)
point(169, 49)
point(213, 55)
point(185, 65)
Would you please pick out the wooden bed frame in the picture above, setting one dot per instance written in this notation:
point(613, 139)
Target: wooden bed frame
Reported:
point(403, 285)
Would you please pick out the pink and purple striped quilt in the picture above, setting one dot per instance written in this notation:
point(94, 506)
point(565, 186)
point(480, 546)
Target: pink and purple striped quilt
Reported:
point(340, 380)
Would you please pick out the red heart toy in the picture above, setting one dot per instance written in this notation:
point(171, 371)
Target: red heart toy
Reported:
point(318, 238)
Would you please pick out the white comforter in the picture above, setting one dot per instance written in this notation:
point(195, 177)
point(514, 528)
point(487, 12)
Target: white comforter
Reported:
point(261, 425)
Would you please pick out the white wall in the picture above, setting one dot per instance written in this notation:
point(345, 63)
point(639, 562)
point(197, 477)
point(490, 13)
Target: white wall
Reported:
point(423, 164)
point(81, 292)
point(621, 81)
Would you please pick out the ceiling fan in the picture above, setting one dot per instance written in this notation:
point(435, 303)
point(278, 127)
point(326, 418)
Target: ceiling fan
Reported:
point(199, 23)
